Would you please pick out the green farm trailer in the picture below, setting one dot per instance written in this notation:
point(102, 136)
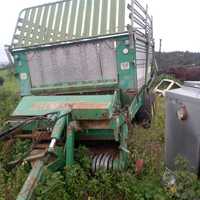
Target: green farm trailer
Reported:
point(85, 68)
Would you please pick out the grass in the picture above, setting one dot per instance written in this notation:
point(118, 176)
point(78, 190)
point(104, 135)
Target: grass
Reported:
point(148, 144)
point(10, 83)
point(77, 182)
point(9, 94)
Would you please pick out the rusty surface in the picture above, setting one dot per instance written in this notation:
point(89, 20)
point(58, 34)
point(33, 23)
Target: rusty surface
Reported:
point(64, 106)
point(131, 92)
point(139, 166)
point(35, 155)
point(41, 146)
point(90, 106)
point(31, 182)
point(98, 147)
point(102, 91)
point(98, 124)
point(39, 136)
point(102, 150)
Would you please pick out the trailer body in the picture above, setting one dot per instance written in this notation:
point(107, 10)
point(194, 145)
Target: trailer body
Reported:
point(86, 65)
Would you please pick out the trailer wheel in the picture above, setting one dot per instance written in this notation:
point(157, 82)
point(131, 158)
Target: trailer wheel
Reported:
point(1, 81)
point(146, 113)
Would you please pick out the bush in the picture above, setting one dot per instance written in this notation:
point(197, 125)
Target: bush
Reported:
point(8, 102)
point(1, 81)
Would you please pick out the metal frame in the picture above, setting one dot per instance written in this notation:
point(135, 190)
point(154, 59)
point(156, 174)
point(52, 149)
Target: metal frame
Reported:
point(83, 117)
point(46, 24)
point(141, 33)
point(68, 20)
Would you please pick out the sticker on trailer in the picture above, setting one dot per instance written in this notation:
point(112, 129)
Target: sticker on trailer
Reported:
point(125, 66)
point(23, 76)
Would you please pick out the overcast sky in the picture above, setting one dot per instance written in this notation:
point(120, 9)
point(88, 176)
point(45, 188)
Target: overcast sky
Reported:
point(175, 21)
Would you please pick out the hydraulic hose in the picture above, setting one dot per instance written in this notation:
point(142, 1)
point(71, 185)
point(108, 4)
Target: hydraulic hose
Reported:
point(12, 130)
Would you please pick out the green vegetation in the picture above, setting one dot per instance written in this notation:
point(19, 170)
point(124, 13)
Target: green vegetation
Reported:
point(8, 94)
point(78, 182)
point(177, 59)
point(10, 83)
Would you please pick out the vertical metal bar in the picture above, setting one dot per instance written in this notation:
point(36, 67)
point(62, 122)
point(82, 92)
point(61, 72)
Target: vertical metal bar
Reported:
point(87, 18)
point(72, 19)
point(65, 19)
point(23, 28)
point(104, 17)
point(108, 16)
point(132, 12)
point(117, 16)
point(152, 30)
point(43, 31)
point(91, 18)
point(95, 17)
point(50, 22)
point(132, 30)
point(123, 157)
point(32, 181)
point(76, 18)
point(69, 19)
point(58, 21)
point(69, 148)
point(113, 16)
point(80, 18)
point(30, 34)
point(84, 17)
point(37, 26)
point(100, 18)
point(121, 17)
point(147, 46)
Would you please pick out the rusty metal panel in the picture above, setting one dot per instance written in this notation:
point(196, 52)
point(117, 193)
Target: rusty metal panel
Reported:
point(94, 61)
point(70, 20)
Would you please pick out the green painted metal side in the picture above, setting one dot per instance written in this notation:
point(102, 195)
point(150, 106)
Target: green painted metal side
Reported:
point(32, 181)
point(59, 163)
point(121, 162)
point(136, 104)
point(78, 87)
point(69, 146)
point(59, 127)
point(23, 74)
point(96, 134)
point(126, 65)
point(41, 105)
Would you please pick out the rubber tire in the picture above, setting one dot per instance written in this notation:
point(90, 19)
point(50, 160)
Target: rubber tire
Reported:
point(146, 113)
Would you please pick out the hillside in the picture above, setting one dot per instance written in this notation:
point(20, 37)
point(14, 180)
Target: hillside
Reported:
point(177, 59)
point(182, 65)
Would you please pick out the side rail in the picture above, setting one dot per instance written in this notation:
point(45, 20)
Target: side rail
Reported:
point(141, 39)
point(141, 21)
point(69, 20)
point(73, 20)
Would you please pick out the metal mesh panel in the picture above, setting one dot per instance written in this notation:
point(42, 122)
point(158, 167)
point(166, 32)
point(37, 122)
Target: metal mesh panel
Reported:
point(77, 63)
point(69, 20)
point(141, 59)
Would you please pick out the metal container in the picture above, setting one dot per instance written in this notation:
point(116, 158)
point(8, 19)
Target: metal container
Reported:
point(183, 125)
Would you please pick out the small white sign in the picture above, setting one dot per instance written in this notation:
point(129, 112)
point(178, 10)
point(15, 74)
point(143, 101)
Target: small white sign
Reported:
point(23, 76)
point(125, 66)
